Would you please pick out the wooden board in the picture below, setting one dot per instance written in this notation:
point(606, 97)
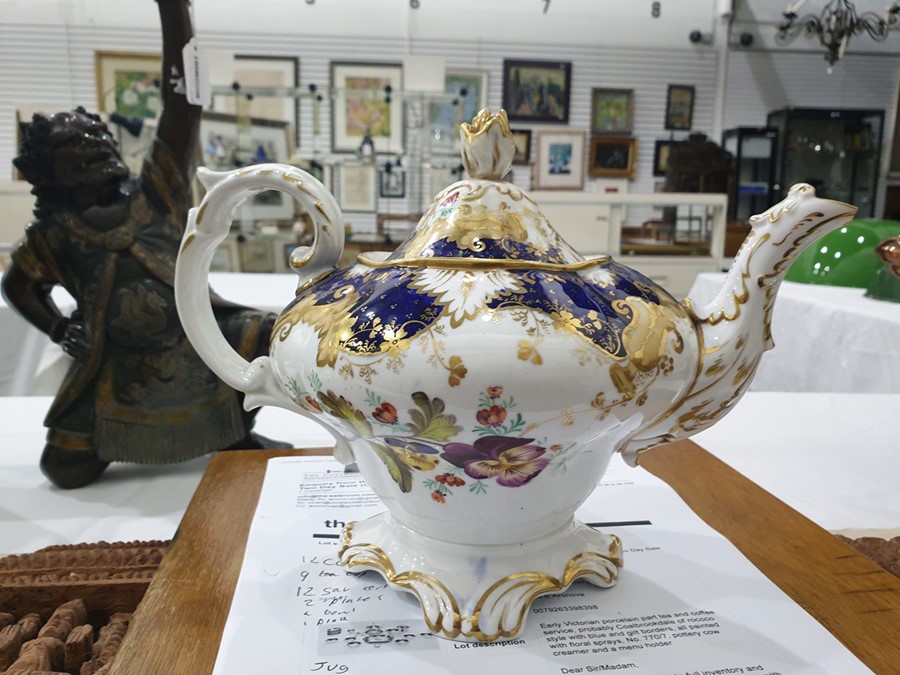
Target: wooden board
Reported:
point(855, 599)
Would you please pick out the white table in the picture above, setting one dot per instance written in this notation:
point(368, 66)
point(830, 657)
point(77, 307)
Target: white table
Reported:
point(269, 292)
point(827, 338)
point(129, 501)
point(830, 456)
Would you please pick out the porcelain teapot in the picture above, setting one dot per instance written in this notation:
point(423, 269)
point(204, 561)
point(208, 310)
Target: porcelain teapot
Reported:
point(483, 374)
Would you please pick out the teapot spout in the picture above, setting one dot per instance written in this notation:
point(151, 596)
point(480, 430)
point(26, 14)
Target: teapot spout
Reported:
point(734, 329)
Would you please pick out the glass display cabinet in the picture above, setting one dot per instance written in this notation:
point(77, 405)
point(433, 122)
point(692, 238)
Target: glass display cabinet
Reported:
point(837, 151)
point(632, 227)
point(754, 151)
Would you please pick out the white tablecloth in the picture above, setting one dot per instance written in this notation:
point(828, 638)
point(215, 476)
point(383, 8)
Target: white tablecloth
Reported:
point(827, 338)
point(129, 501)
point(830, 456)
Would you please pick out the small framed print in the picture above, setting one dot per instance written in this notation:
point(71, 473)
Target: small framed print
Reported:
point(357, 187)
point(680, 107)
point(226, 143)
point(661, 152)
point(612, 111)
point(367, 99)
point(392, 182)
point(559, 160)
point(522, 139)
point(257, 255)
point(612, 157)
point(537, 91)
point(128, 83)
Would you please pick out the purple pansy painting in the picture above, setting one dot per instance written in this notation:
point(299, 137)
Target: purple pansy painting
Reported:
point(512, 461)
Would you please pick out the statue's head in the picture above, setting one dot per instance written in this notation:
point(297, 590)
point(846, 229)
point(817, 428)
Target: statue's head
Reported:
point(69, 150)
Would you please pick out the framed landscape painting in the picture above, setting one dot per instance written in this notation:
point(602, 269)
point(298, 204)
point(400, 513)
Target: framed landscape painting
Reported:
point(128, 83)
point(537, 91)
point(612, 111)
point(367, 98)
point(559, 160)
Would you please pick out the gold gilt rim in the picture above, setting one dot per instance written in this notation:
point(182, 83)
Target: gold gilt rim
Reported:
point(483, 263)
point(541, 583)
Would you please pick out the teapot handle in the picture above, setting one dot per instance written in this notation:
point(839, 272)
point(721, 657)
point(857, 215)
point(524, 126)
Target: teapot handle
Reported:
point(207, 226)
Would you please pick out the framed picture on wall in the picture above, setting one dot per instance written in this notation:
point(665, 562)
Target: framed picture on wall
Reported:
point(128, 83)
point(537, 91)
point(227, 142)
point(612, 111)
point(661, 152)
point(522, 139)
point(392, 183)
point(357, 187)
point(254, 71)
point(559, 160)
point(612, 157)
point(680, 107)
point(367, 99)
point(468, 88)
point(257, 255)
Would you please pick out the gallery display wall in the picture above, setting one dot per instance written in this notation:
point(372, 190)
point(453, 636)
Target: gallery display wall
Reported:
point(53, 65)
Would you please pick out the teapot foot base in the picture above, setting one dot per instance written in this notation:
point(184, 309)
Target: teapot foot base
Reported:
point(479, 592)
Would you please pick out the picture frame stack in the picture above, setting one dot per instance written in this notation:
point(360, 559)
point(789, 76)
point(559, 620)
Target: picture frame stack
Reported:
point(536, 92)
point(613, 151)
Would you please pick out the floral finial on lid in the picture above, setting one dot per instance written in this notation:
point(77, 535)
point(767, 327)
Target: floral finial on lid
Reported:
point(487, 145)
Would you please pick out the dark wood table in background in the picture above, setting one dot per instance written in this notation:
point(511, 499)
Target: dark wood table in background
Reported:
point(178, 625)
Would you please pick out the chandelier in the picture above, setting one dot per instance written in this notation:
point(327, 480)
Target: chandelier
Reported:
point(835, 26)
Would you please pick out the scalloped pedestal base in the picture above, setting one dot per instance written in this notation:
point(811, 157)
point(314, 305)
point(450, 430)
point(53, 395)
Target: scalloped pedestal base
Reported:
point(476, 593)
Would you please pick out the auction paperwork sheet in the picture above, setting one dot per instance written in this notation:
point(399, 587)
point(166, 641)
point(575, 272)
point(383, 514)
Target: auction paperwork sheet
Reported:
point(687, 602)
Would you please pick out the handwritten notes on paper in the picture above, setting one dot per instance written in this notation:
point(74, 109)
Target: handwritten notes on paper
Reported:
point(687, 603)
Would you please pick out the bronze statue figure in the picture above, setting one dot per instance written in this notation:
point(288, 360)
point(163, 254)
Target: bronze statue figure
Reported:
point(136, 390)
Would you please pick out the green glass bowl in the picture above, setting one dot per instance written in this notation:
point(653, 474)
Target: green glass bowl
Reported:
point(884, 286)
point(845, 257)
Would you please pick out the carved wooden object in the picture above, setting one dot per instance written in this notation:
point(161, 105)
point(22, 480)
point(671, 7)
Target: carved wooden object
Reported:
point(66, 609)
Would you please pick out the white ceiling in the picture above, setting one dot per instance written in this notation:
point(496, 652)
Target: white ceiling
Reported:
point(577, 22)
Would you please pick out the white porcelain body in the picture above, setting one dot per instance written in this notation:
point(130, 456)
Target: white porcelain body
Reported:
point(495, 382)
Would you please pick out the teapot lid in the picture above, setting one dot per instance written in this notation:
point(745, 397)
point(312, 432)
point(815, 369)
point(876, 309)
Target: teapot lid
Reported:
point(484, 221)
